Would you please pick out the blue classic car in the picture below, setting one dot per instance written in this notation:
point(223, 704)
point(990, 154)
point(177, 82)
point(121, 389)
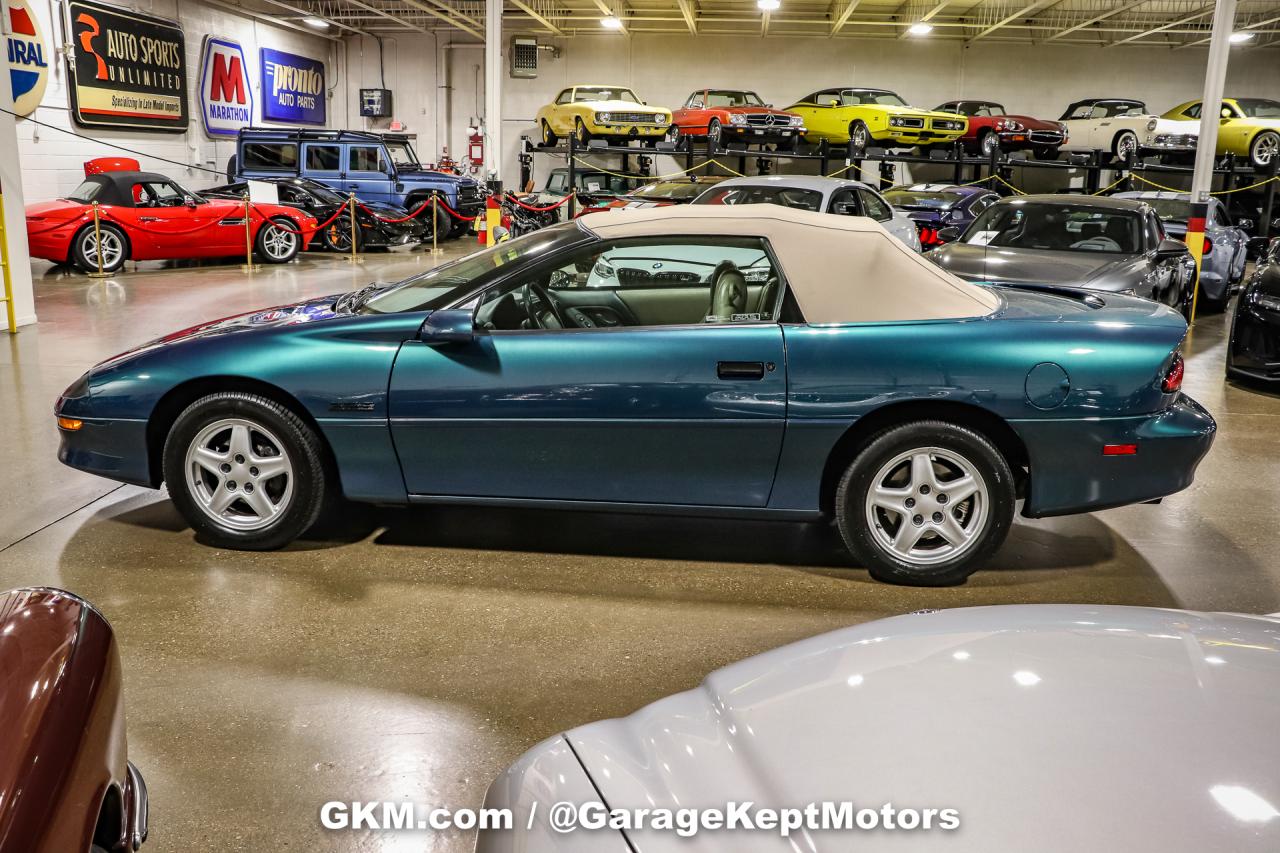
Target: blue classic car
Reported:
point(752, 361)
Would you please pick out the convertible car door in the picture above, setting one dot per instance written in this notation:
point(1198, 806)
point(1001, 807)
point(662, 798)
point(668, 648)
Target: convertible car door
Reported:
point(633, 402)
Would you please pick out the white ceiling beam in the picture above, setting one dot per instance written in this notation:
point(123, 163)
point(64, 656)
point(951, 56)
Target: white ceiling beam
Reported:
point(686, 9)
point(540, 18)
point(274, 20)
point(608, 12)
point(843, 18)
point(1009, 19)
point(925, 18)
point(308, 12)
point(1153, 30)
point(1243, 29)
point(382, 13)
point(1095, 19)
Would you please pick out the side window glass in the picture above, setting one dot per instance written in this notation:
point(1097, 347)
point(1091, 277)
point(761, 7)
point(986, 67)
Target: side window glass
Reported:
point(875, 206)
point(645, 282)
point(565, 97)
point(1220, 217)
point(269, 156)
point(324, 158)
point(366, 158)
point(1193, 111)
point(844, 203)
point(558, 182)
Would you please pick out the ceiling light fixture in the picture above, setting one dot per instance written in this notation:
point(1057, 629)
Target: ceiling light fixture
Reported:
point(613, 22)
point(920, 28)
point(315, 23)
point(768, 5)
point(1242, 36)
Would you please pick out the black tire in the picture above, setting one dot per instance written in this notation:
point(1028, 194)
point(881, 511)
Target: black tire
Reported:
point(277, 241)
point(549, 137)
point(859, 138)
point(988, 143)
point(301, 448)
point(337, 235)
point(1125, 146)
point(715, 133)
point(1263, 148)
point(580, 132)
point(85, 256)
point(434, 220)
point(989, 467)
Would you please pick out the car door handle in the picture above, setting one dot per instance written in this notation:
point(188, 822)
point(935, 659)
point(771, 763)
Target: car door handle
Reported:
point(740, 369)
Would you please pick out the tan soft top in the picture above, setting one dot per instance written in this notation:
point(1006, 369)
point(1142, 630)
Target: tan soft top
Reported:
point(841, 269)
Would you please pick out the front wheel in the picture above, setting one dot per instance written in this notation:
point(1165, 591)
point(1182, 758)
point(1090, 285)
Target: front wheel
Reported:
point(278, 241)
point(925, 503)
point(859, 138)
point(989, 143)
point(580, 132)
point(1263, 148)
point(244, 471)
point(1125, 146)
point(714, 133)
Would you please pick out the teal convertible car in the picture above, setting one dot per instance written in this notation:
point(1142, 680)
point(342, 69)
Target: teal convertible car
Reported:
point(749, 361)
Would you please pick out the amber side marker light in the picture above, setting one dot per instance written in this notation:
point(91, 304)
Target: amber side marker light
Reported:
point(1119, 449)
point(69, 424)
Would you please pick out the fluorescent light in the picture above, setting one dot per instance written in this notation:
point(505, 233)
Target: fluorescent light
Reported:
point(1237, 38)
point(920, 28)
point(613, 22)
point(315, 23)
point(768, 5)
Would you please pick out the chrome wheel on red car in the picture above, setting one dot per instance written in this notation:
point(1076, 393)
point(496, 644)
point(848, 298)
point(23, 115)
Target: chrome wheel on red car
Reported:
point(714, 132)
point(109, 241)
point(278, 241)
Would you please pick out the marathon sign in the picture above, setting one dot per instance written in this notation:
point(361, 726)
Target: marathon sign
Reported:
point(226, 95)
point(128, 69)
point(27, 57)
point(292, 88)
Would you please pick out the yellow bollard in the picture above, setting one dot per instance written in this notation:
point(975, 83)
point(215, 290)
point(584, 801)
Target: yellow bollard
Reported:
point(7, 299)
point(248, 265)
point(97, 243)
point(351, 204)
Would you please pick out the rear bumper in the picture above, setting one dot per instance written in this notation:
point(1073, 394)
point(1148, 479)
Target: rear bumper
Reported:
point(1070, 474)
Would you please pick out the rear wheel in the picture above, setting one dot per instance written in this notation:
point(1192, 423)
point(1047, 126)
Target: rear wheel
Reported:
point(925, 503)
point(278, 241)
point(337, 235)
point(85, 248)
point(245, 472)
point(1263, 148)
point(859, 138)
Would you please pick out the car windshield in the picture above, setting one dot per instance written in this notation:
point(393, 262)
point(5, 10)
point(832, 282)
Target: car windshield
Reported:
point(606, 93)
point(1259, 107)
point(600, 182)
point(733, 99)
point(922, 200)
point(402, 154)
point(1170, 209)
point(673, 190)
point(1056, 227)
point(800, 199)
point(86, 192)
point(882, 97)
point(447, 283)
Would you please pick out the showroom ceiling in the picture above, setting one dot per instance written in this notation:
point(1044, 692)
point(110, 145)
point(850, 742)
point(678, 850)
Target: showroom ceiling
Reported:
point(1172, 23)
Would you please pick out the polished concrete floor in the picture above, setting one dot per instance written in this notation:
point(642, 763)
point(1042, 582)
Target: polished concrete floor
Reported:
point(414, 654)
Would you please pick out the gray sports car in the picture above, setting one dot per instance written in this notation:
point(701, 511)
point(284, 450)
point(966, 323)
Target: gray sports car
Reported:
point(1047, 728)
point(1107, 244)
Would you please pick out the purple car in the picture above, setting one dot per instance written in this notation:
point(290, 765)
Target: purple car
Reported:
point(936, 206)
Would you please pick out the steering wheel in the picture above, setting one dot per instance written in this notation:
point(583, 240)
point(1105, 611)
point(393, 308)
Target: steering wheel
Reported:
point(537, 295)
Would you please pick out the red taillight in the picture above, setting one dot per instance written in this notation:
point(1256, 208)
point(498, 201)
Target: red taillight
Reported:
point(1208, 246)
point(929, 236)
point(1172, 382)
point(1119, 449)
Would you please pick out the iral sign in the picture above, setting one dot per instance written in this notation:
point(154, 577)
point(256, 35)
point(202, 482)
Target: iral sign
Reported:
point(27, 57)
point(226, 96)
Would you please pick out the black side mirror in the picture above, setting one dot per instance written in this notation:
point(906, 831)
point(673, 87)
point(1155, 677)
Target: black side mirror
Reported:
point(1170, 249)
point(950, 234)
point(453, 326)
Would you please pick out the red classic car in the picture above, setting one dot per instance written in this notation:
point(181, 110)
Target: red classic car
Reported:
point(146, 216)
point(66, 782)
point(991, 128)
point(720, 115)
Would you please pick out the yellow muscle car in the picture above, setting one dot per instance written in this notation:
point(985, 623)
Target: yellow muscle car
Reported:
point(611, 112)
point(1248, 127)
point(860, 118)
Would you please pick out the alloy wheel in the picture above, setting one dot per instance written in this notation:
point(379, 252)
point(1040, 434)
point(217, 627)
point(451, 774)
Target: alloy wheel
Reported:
point(1265, 148)
point(927, 505)
point(239, 474)
point(990, 144)
point(278, 243)
point(112, 248)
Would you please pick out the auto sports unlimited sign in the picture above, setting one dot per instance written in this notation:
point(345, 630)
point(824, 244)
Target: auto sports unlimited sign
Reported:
point(27, 57)
point(128, 69)
point(292, 88)
point(226, 96)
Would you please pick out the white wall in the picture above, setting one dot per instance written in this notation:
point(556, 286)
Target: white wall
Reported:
point(52, 162)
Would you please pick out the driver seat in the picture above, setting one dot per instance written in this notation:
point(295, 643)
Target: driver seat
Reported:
point(728, 293)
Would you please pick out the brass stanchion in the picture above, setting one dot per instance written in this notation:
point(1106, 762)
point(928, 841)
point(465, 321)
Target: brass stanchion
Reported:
point(97, 243)
point(248, 265)
point(435, 224)
point(351, 204)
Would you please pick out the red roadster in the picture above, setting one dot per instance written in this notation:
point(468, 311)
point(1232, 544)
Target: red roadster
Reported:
point(721, 115)
point(144, 216)
point(992, 129)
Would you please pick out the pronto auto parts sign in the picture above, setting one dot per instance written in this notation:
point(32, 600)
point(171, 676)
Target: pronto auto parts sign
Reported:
point(292, 88)
point(27, 57)
point(129, 69)
point(226, 95)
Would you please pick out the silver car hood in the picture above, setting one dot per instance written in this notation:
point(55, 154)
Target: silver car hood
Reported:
point(1050, 728)
point(1101, 270)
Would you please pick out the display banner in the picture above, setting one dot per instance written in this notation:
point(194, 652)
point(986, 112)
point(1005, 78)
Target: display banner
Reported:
point(27, 55)
point(226, 95)
point(292, 88)
point(128, 69)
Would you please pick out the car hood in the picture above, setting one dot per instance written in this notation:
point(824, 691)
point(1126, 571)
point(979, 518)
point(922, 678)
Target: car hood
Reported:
point(431, 174)
point(621, 107)
point(1031, 123)
point(1017, 266)
point(751, 110)
point(1155, 727)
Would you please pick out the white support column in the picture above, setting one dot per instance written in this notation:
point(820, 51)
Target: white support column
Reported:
point(15, 216)
point(493, 89)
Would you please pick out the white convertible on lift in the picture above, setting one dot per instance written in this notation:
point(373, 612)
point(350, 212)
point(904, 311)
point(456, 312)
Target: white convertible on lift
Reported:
point(1127, 129)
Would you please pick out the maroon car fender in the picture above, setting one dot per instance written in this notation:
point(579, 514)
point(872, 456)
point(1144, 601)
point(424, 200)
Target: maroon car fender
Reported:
point(65, 779)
